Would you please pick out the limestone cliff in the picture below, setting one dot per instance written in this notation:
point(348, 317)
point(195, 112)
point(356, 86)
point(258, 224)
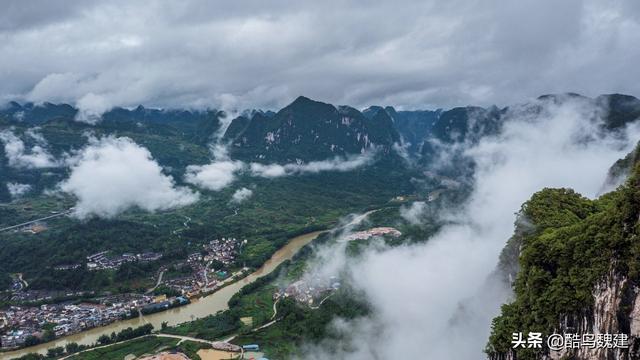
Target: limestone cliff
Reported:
point(575, 269)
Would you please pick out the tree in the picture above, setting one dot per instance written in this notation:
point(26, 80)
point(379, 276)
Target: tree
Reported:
point(55, 352)
point(31, 340)
point(48, 335)
point(72, 348)
point(216, 265)
point(31, 356)
point(104, 339)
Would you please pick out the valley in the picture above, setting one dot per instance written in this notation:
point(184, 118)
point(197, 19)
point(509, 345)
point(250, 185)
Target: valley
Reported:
point(240, 235)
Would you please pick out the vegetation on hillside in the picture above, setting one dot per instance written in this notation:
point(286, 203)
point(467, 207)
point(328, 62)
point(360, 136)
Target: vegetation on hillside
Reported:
point(569, 244)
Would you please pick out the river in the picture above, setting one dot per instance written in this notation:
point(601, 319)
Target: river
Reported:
point(198, 308)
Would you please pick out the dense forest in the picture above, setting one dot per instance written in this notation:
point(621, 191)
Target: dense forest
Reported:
point(569, 244)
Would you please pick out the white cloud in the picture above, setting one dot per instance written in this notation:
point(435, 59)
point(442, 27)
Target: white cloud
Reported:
point(214, 176)
point(439, 294)
point(91, 107)
point(17, 190)
point(413, 214)
point(20, 156)
point(270, 170)
point(241, 195)
point(336, 164)
point(218, 174)
point(222, 171)
point(111, 175)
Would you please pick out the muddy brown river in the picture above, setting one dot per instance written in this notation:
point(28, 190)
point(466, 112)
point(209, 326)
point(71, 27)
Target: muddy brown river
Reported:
point(198, 308)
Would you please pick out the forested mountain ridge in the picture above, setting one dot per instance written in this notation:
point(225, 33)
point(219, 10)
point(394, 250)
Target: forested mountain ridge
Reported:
point(576, 265)
point(310, 130)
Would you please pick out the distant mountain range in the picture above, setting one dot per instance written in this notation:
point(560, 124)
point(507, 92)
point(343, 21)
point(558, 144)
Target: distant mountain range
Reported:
point(307, 130)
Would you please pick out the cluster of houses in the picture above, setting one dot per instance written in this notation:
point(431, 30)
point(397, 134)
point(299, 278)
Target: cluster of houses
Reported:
point(14, 339)
point(35, 228)
point(223, 250)
point(63, 319)
point(101, 260)
point(378, 231)
point(309, 292)
point(17, 323)
point(203, 276)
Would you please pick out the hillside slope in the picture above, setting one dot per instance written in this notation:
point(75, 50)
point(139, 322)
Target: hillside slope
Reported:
point(579, 273)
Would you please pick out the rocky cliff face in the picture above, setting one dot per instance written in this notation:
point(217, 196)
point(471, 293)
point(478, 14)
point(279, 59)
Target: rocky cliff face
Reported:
point(609, 315)
point(615, 310)
point(575, 268)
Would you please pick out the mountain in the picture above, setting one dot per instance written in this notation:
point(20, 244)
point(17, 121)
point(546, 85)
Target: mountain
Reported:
point(413, 126)
point(576, 264)
point(622, 109)
point(37, 114)
point(198, 125)
point(309, 130)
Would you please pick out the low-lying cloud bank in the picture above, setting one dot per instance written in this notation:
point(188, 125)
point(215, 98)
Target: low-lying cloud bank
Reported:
point(348, 163)
point(16, 190)
point(218, 174)
point(413, 213)
point(241, 195)
point(434, 300)
point(20, 155)
point(111, 175)
point(214, 176)
point(223, 171)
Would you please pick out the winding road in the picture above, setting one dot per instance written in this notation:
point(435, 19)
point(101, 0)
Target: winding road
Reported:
point(157, 282)
point(36, 220)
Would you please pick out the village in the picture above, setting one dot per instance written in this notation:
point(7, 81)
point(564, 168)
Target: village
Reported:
point(29, 325)
point(378, 231)
point(23, 325)
point(310, 292)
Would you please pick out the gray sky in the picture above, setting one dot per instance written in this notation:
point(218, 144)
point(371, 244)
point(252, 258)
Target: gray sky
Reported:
point(246, 54)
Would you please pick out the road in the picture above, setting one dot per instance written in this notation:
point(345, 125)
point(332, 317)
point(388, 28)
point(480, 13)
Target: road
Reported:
point(275, 309)
point(157, 282)
point(35, 221)
point(220, 345)
point(24, 282)
point(101, 346)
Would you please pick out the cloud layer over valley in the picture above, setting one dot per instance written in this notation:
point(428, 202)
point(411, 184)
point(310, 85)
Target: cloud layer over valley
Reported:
point(435, 300)
point(313, 167)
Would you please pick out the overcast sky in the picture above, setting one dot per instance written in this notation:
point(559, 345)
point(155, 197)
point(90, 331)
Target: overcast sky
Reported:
point(262, 54)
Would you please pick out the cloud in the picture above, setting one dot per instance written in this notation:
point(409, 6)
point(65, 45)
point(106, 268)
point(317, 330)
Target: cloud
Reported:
point(218, 174)
point(91, 107)
point(413, 214)
point(440, 294)
point(214, 176)
point(197, 53)
point(241, 195)
point(17, 190)
point(113, 174)
point(21, 156)
point(348, 163)
point(222, 171)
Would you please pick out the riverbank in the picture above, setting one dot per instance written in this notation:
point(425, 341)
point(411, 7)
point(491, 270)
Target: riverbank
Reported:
point(198, 308)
